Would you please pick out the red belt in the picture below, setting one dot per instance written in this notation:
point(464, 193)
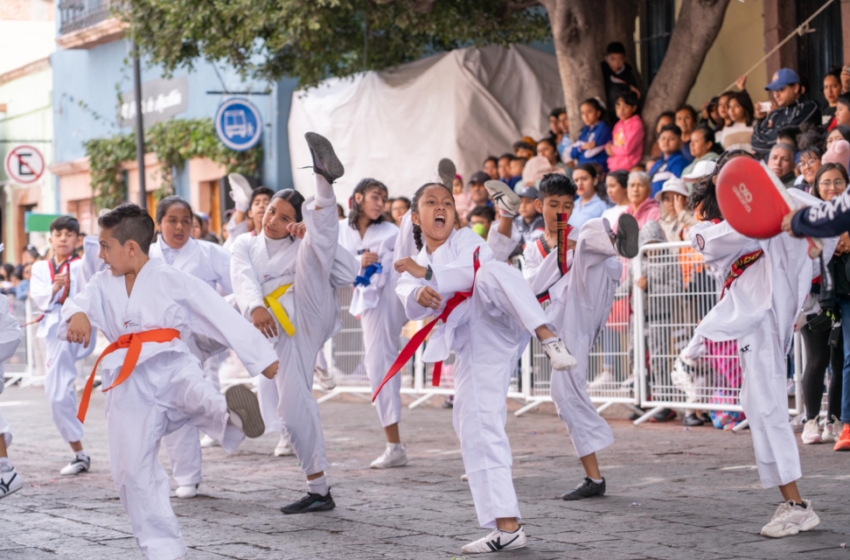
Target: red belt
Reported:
point(738, 268)
point(417, 339)
point(133, 342)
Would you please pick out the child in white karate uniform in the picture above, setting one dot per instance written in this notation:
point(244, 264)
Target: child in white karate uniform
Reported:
point(766, 284)
point(284, 284)
point(53, 282)
point(488, 330)
point(209, 263)
point(371, 239)
point(155, 385)
point(580, 301)
point(10, 337)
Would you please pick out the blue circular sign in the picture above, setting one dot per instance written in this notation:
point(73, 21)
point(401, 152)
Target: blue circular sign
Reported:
point(238, 124)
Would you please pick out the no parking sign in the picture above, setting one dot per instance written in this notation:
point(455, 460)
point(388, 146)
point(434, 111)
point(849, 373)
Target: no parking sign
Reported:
point(24, 164)
point(238, 124)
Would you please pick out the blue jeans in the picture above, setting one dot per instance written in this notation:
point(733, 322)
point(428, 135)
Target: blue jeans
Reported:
point(844, 303)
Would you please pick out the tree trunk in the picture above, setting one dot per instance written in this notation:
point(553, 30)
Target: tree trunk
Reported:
point(575, 32)
point(696, 29)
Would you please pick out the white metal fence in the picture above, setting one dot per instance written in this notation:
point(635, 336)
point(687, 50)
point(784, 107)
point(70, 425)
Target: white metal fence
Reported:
point(631, 362)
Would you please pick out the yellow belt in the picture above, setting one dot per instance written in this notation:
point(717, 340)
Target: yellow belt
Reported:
point(277, 309)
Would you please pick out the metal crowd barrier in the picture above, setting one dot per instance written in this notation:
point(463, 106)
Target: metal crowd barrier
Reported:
point(680, 291)
point(631, 362)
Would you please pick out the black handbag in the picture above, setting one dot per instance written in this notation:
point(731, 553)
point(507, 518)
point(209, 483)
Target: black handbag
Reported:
point(824, 319)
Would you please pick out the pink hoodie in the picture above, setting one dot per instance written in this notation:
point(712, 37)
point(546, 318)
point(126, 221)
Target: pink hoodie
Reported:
point(648, 210)
point(627, 144)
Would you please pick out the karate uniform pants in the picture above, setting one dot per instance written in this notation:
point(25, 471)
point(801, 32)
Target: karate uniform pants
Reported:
point(381, 329)
point(183, 446)
point(589, 432)
point(764, 396)
point(5, 429)
point(163, 394)
point(59, 385)
point(488, 343)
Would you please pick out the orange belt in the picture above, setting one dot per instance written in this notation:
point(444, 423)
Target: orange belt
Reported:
point(133, 342)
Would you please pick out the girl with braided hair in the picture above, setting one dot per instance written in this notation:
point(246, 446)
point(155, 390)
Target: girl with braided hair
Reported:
point(486, 312)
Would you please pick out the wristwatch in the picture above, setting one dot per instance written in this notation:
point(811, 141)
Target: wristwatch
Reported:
point(429, 273)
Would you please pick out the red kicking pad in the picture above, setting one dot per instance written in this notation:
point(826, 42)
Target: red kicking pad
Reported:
point(754, 201)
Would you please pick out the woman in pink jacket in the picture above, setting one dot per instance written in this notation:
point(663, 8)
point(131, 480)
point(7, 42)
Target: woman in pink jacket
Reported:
point(643, 207)
point(626, 148)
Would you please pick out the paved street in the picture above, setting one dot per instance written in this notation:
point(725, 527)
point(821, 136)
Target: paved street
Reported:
point(672, 494)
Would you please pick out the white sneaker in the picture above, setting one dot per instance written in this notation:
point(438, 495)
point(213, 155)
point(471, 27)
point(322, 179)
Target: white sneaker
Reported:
point(559, 358)
point(604, 381)
point(790, 520)
point(187, 491)
point(830, 431)
point(207, 442)
point(393, 456)
point(324, 378)
point(10, 481)
point(503, 197)
point(811, 432)
point(284, 447)
point(464, 477)
point(77, 466)
point(797, 422)
point(497, 541)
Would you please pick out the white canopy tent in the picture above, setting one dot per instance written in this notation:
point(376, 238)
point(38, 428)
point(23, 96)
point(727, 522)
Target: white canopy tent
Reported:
point(395, 125)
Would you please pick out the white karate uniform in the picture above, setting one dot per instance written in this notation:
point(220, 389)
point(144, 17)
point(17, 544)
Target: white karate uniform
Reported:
point(380, 311)
point(580, 302)
point(209, 263)
point(488, 333)
point(759, 311)
point(61, 354)
point(10, 337)
point(314, 265)
point(167, 388)
point(90, 262)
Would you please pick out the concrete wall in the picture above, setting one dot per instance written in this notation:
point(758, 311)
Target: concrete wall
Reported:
point(28, 119)
point(738, 46)
point(94, 77)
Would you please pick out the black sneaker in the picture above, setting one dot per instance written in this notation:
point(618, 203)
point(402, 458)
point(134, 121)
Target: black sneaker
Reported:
point(706, 417)
point(692, 420)
point(663, 415)
point(311, 503)
point(447, 171)
point(635, 415)
point(587, 489)
point(325, 162)
point(627, 236)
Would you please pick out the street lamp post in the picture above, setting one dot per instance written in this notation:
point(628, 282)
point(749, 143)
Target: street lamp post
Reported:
point(140, 130)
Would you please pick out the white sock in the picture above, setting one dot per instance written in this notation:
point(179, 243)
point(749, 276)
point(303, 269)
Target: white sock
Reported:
point(82, 455)
point(325, 197)
point(395, 446)
point(548, 340)
point(235, 420)
point(319, 485)
point(4, 461)
point(596, 481)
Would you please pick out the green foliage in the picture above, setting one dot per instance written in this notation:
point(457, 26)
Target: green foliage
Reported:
point(174, 142)
point(315, 39)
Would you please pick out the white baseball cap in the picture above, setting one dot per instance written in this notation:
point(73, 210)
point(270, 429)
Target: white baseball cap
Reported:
point(702, 169)
point(674, 185)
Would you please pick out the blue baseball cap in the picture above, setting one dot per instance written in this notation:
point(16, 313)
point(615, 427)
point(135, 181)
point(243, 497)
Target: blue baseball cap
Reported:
point(783, 77)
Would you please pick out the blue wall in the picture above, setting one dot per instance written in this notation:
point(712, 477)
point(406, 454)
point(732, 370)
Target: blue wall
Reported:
point(96, 76)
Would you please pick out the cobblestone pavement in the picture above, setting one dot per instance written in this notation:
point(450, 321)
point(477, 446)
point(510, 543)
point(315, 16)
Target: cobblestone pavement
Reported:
point(672, 494)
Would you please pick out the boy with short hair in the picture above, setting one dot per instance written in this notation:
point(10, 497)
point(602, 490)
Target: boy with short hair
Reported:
point(480, 219)
point(528, 221)
point(672, 162)
point(53, 282)
point(619, 76)
point(580, 301)
point(155, 384)
point(504, 166)
point(516, 167)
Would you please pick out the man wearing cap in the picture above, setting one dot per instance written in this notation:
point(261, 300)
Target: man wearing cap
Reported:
point(528, 222)
point(793, 109)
